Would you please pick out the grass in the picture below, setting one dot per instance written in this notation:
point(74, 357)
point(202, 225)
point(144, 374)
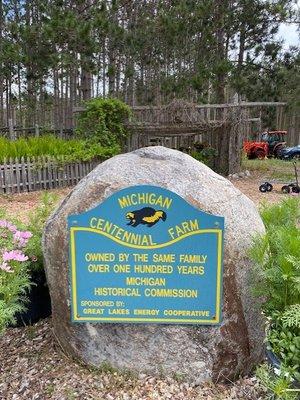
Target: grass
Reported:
point(272, 168)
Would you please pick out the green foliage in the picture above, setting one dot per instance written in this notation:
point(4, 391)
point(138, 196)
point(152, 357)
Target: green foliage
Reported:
point(277, 257)
point(13, 290)
point(276, 273)
point(49, 145)
point(205, 154)
point(285, 343)
point(102, 121)
point(285, 213)
point(14, 276)
point(36, 225)
point(291, 316)
point(276, 76)
point(277, 387)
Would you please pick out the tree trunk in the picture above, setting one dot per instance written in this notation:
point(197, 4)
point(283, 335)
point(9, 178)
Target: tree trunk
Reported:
point(220, 56)
point(86, 84)
point(56, 99)
point(73, 73)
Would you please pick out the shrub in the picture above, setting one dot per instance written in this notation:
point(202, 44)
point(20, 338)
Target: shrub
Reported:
point(284, 341)
point(205, 154)
point(102, 121)
point(276, 256)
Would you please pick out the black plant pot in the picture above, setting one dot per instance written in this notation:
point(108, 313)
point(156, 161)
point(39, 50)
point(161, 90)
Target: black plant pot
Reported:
point(275, 363)
point(39, 303)
point(273, 360)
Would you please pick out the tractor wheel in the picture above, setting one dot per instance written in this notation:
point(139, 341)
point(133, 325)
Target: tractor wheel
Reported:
point(296, 157)
point(251, 156)
point(285, 189)
point(269, 187)
point(260, 154)
point(296, 189)
point(277, 150)
point(263, 188)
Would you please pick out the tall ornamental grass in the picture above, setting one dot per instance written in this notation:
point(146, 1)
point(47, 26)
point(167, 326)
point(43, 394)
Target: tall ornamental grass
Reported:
point(49, 145)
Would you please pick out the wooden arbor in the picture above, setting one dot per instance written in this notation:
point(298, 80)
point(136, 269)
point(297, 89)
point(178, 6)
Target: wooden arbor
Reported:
point(180, 124)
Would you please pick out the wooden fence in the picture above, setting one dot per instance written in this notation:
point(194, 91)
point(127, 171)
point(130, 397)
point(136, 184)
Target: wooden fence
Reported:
point(40, 173)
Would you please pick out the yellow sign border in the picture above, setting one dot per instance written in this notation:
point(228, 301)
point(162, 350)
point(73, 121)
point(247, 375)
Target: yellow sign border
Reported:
point(216, 320)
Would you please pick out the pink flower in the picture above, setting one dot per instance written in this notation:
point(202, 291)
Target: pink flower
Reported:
point(22, 237)
point(16, 255)
point(3, 223)
point(5, 267)
point(8, 225)
point(25, 235)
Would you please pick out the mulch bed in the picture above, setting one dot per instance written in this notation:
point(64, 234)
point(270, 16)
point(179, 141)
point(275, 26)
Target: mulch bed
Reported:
point(33, 367)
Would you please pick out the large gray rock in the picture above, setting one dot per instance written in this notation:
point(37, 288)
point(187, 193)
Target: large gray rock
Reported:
point(196, 352)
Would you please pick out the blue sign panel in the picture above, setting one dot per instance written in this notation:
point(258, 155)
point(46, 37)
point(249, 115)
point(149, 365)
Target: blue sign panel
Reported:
point(146, 255)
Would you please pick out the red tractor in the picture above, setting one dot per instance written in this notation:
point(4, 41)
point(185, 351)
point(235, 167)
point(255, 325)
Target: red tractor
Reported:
point(272, 142)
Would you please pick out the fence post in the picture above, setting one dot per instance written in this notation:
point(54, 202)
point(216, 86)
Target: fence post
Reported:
point(1, 178)
point(37, 130)
point(24, 179)
point(18, 182)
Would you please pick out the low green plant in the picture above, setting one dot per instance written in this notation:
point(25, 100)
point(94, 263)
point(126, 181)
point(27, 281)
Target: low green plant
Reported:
point(284, 341)
point(36, 224)
point(284, 213)
point(277, 387)
point(291, 317)
point(102, 122)
point(276, 273)
point(206, 155)
point(276, 256)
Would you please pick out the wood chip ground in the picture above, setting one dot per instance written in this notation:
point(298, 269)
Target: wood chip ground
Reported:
point(33, 367)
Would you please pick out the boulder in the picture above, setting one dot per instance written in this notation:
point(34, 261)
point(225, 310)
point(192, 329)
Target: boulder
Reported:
point(198, 353)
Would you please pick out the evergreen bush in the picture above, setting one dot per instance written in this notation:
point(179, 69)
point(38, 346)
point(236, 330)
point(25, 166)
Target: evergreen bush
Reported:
point(102, 122)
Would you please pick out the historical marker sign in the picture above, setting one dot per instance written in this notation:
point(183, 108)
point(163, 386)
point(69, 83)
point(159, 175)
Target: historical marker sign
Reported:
point(146, 255)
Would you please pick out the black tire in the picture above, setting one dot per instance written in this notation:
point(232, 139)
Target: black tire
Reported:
point(285, 189)
point(277, 150)
point(296, 189)
point(269, 187)
point(260, 154)
point(263, 188)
